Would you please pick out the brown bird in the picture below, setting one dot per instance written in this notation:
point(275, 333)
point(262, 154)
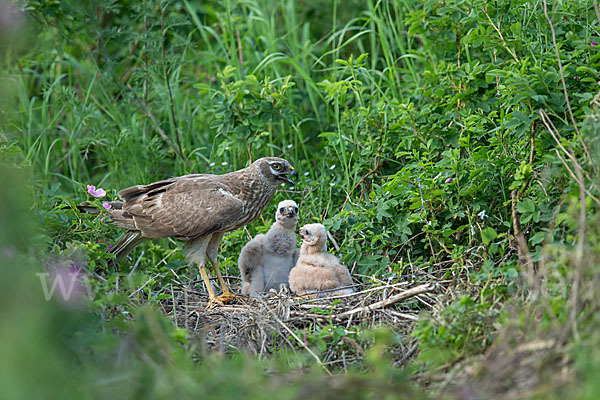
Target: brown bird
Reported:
point(317, 270)
point(198, 209)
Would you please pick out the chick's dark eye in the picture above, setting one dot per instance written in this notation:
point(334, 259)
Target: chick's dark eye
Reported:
point(276, 167)
point(295, 209)
point(281, 209)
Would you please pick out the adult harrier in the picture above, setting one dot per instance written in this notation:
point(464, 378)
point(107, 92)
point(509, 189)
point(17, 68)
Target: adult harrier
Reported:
point(198, 209)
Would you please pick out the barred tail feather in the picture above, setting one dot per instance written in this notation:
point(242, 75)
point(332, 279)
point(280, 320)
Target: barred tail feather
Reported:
point(118, 217)
point(126, 243)
point(87, 207)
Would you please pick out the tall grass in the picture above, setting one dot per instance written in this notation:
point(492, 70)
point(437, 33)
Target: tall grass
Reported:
point(79, 119)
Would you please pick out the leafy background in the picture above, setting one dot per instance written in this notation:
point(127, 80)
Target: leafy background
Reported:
point(422, 133)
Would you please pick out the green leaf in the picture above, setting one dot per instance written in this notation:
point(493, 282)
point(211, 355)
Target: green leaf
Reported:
point(526, 206)
point(360, 59)
point(228, 72)
point(537, 238)
point(180, 335)
point(488, 234)
point(321, 344)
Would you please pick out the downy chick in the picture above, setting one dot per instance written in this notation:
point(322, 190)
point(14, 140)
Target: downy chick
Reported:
point(265, 261)
point(317, 270)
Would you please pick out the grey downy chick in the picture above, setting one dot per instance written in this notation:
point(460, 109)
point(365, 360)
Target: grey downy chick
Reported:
point(265, 261)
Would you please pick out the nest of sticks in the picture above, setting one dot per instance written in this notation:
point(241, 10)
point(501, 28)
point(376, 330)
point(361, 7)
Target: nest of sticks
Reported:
point(279, 320)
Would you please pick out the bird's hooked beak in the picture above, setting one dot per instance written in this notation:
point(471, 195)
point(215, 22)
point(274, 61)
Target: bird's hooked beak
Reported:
point(293, 172)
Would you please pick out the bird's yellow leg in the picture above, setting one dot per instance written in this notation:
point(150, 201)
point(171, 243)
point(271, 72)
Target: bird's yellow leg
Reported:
point(211, 293)
point(211, 252)
point(227, 296)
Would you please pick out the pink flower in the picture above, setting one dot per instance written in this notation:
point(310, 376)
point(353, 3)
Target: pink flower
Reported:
point(97, 193)
point(106, 205)
point(593, 44)
point(448, 180)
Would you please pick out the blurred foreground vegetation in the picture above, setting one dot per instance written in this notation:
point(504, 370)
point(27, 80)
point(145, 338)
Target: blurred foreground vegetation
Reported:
point(438, 141)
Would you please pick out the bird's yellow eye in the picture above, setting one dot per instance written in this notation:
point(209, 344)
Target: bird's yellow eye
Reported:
point(276, 167)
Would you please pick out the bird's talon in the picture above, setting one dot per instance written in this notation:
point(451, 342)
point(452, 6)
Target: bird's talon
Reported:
point(223, 299)
point(229, 297)
point(212, 303)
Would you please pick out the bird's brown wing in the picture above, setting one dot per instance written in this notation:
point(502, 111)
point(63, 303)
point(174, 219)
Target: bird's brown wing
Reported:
point(187, 207)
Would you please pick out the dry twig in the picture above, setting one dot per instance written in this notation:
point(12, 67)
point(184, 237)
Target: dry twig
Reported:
point(394, 299)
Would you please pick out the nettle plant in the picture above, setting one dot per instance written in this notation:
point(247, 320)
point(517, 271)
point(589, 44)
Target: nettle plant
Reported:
point(468, 135)
point(249, 114)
